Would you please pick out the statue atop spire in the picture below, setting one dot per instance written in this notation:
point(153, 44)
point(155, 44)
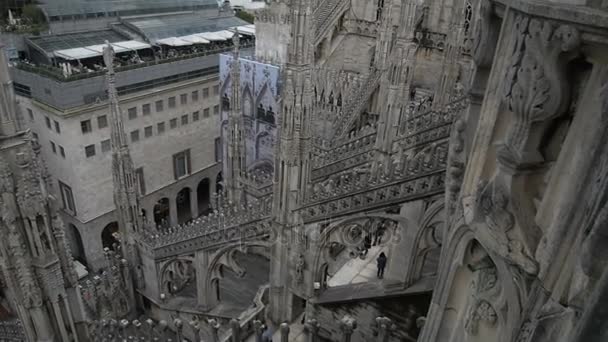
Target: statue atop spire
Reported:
point(236, 40)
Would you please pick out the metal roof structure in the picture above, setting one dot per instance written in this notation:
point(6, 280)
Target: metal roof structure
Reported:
point(66, 8)
point(179, 25)
point(49, 44)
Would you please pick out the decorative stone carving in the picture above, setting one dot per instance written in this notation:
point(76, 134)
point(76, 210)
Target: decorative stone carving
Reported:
point(492, 203)
point(480, 311)
point(536, 85)
point(176, 274)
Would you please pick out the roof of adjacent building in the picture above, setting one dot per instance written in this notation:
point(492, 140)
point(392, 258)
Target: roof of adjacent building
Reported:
point(58, 8)
point(76, 40)
point(178, 25)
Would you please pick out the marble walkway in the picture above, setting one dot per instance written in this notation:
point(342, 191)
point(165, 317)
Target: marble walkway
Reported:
point(358, 270)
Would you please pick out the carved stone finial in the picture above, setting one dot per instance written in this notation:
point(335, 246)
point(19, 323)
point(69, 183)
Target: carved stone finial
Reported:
point(348, 326)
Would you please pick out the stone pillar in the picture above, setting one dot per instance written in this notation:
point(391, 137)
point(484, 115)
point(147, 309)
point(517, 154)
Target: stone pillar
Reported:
point(205, 289)
point(311, 329)
point(215, 328)
point(235, 327)
point(385, 328)
point(397, 271)
point(194, 203)
point(172, 212)
point(348, 326)
point(44, 330)
point(60, 322)
point(75, 310)
point(284, 332)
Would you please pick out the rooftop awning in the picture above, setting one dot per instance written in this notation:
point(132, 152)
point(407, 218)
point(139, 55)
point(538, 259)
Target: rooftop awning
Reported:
point(247, 30)
point(195, 39)
point(212, 36)
point(225, 33)
point(173, 41)
point(97, 50)
point(76, 53)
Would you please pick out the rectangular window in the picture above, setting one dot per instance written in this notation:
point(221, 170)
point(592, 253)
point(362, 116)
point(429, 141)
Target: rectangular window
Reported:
point(160, 128)
point(172, 102)
point(102, 121)
point(159, 106)
point(173, 123)
point(195, 96)
point(141, 181)
point(132, 113)
point(184, 120)
point(89, 151)
point(53, 148)
point(30, 114)
point(57, 128)
point(68, 198)
point(206, 112)
point(85, 126)
point(216, 89)
point(216, 109)
point(181, 164)
point(218, 149)
point(61, 151)
point(148, 131)
point(195, 116)
point(183, 99)
point(145, 109)
point(106, 146)
point(48, 122)
point(205, 93)
point(135, 136)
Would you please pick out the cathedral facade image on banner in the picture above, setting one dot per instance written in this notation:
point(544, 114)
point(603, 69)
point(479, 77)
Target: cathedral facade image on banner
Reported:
point(259, 89)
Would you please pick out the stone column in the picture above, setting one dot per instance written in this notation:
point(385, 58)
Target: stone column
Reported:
point(235, 326)
point(44, 330)
point(172, 212)
point(311, 329)
point(399, 256)
point(385, 328)
point(205, 290)
point(284, 332)
point(215, 327)
point(60, 322)
point(348, 326)
point(194, 203)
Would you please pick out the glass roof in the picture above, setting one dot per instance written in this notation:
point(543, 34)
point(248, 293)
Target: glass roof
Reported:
point(123, 7)
point(180, 25)
point(76, 40)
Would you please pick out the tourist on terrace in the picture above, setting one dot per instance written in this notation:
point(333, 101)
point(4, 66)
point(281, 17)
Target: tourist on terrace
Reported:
point(381, 260)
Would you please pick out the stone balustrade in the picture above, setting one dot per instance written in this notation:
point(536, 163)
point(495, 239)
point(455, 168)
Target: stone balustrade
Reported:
point(112, 330)
point(12, 331)
point(226, 224)
point(430, 40)
point(353, 145)
point(406, 178)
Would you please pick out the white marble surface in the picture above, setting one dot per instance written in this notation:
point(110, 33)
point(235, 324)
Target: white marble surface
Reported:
point(357, 270)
